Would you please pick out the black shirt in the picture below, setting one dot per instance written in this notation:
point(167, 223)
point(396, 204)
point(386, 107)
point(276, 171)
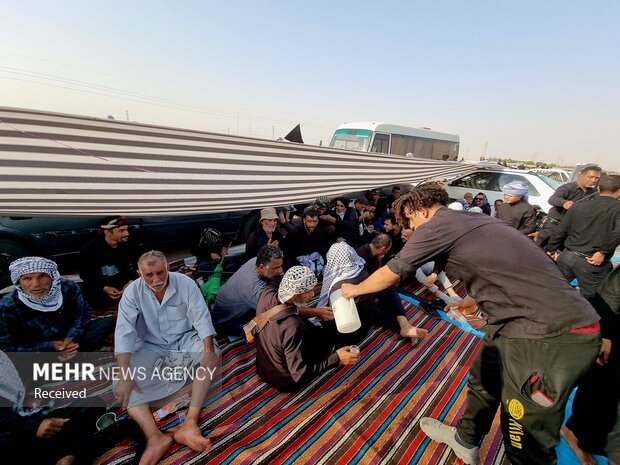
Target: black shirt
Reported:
point(259, 238)
point(102, 265)
point(520, 215)
point(298, 242)
point(397, 245)
point(372, 263)
point(568, 191)
point(512, 279)
point(590, 227)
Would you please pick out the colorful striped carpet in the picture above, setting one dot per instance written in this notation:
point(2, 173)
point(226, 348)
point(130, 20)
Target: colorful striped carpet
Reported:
point(367, 414)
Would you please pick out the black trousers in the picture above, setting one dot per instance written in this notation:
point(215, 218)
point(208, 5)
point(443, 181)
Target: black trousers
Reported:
point(74, 438)
point(590, 277)
point(518, 375)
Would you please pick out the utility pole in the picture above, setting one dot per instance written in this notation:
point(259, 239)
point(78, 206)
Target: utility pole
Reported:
point(484, 152)
point(127, 115)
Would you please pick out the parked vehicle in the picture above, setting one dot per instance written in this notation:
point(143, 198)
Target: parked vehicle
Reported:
point(60, 238)
point(491, 181)
point(557, 174)
point(396, 140)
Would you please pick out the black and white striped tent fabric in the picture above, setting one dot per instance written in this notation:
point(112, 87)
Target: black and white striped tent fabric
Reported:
point(58, 165)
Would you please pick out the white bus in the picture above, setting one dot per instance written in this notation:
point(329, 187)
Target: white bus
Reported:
point(396, 140)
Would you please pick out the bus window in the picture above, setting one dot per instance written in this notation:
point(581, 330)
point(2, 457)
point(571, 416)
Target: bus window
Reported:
point(381, 143)
point(402, 144)
point(351, 139)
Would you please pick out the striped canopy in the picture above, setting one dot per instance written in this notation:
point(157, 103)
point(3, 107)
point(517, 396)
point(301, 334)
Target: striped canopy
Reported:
point(57, 165)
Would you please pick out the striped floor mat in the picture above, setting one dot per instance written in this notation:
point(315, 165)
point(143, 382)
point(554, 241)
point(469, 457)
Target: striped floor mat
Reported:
point(367, 414)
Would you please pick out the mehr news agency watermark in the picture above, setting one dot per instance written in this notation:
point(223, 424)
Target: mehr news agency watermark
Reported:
point(167, 370)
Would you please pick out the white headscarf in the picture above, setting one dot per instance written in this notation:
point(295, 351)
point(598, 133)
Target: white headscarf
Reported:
point(11, 387)
point(51, 301)
point(343, 263)
point(297, 280)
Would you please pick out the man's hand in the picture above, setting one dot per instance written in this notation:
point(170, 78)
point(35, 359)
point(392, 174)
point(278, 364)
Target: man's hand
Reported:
point(328, 218)
point(349, 291)
point(123, 389)
point(467, 306)
point(603, 356)
point(112, 292)
point(324, 313)
point(596, 259)
point(346, 357)
point(430, 279)
point(209, 360)
point(66, 347)
point(273, 243)
point(215, 256)
point(50, 427)
point(568, 204)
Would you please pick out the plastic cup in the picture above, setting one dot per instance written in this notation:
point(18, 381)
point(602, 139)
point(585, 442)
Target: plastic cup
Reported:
point(354, 349)
point(105, 420)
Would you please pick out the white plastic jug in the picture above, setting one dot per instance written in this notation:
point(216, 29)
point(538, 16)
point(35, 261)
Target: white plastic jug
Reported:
point(345, 313)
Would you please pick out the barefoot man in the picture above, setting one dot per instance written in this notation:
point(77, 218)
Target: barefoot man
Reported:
point(164, 329)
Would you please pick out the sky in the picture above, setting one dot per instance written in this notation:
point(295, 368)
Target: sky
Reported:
point(528, 80)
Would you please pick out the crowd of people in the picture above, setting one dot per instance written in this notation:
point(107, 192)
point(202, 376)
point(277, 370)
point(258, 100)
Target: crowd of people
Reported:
point(543, 337)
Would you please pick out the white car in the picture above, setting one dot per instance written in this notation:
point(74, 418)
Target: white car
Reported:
point(491, 181)
point(559, 175)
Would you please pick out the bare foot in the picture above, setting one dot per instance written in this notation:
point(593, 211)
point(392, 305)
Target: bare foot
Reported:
point(155, 449)
point(416, 334)
point(585, 458)
point(190, 435)
point(66, 460)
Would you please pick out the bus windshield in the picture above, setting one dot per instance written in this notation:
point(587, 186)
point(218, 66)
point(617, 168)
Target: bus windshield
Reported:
point(351, 139)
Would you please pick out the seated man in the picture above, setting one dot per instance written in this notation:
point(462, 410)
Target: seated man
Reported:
point(236, 300)
point(390, 312)
point(305, 245)
point(160, 315)
point(291, 351)
point(211, 251)
point(59, 437)
point(108, 263)
point(46, 313)
point(266, 234)
point(394, 230)
point(343, 218)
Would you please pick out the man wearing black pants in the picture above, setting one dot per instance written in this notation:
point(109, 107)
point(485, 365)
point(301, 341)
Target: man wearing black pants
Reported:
point(590, 233)
point(541, 338)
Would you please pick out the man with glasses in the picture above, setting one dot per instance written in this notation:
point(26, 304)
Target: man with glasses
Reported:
point(541, 338)
point(480, 201)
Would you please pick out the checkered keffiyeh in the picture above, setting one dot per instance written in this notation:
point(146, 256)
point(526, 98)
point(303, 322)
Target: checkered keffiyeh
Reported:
point(297, 280)
point(343, 263)
point(11, 386)
point(51, 301)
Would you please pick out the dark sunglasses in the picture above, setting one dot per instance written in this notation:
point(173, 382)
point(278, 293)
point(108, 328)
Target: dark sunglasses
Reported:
point(479, 198)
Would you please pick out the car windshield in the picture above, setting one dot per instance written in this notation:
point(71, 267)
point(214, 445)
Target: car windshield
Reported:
point(551, 182)
point(351, 139)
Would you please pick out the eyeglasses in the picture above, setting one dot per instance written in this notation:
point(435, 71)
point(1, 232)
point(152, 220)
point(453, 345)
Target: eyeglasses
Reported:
point(480, 198)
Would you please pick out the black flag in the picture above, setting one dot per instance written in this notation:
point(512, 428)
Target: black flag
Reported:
point(295, 135)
